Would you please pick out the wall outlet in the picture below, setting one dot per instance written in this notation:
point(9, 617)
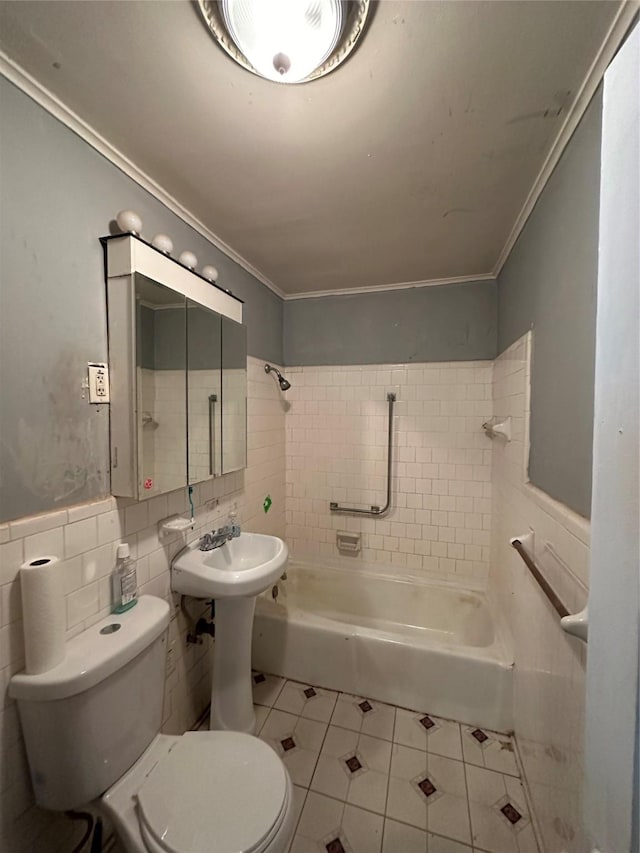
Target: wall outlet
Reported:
point(98, 382)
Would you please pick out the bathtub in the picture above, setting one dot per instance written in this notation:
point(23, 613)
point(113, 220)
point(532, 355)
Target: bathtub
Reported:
point(406, 641)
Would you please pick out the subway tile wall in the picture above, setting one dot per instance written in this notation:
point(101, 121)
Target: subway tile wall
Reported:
point(86, 537)
point(147, 405)
point(337, 450)
point(234, 423)
point(168, 432)
point(549, 675)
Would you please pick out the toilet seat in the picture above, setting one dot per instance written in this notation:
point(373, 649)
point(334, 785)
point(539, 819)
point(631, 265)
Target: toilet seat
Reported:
point(227, 787)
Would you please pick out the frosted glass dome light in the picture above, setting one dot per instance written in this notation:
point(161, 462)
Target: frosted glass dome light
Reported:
point(284, 40)
point(287, 41)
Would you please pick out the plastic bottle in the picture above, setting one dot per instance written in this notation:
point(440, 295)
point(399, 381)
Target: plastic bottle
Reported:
point(233, 523)
point(124, 581)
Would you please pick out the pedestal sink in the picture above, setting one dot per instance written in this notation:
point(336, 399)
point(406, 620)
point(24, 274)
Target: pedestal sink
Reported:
point(232, 574)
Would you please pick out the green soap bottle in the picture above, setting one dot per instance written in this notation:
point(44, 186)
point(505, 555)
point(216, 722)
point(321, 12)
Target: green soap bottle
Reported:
point(124, 581)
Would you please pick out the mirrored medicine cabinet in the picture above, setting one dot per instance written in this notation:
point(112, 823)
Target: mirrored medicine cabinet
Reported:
point(178, 373)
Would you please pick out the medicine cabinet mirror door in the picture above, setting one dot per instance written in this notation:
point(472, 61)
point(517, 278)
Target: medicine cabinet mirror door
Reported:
point(234, 396)
point(161, 387)
point(204, 392)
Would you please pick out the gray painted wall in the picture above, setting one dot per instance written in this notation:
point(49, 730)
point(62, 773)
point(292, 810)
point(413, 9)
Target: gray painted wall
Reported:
point(204, 339)
point(448, 323)
point(58, 197)
point(549, 283)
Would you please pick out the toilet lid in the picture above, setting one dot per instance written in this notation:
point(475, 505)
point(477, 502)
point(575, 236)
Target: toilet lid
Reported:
point(213, 791)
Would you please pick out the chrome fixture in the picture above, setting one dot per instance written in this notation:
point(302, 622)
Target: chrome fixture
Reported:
point(375, 510)
point(149, 420)
point(284, 383)
point(285, 41)
point(214, 540)
point(502, 429)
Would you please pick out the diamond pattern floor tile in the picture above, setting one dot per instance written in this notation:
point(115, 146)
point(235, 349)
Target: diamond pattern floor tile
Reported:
point(306, 700)
point(266, 688)
point(372, 778)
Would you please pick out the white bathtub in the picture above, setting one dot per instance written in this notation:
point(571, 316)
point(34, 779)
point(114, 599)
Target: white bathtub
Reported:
point(404, 641)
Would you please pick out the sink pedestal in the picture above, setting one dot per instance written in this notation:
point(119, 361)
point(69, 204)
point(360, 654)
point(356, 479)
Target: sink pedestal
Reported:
point(231, 693)
point(232, 574)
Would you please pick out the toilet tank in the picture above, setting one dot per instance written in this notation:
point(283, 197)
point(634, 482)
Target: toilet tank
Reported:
point(86, 721)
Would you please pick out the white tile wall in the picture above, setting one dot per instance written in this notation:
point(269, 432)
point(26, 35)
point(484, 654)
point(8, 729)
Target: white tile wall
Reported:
point(162, 397)
point(336, 451)
point(550, 665)
point(233, 418)
point(169, 436)
point(147, 405)
point(86, 537)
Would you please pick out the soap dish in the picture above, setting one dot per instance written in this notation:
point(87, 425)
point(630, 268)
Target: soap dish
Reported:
point(175, 524)
point(348, 542)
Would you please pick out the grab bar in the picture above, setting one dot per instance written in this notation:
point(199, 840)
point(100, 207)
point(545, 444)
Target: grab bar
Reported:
point(543, 583)
point(375, 510)
point(576, 624)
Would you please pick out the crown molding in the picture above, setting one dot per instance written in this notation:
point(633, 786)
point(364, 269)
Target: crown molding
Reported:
point(380, 288)
point(607, 50)
point(59, 110)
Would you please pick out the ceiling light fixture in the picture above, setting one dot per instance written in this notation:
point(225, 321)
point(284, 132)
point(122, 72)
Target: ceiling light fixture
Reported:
point(287, 41)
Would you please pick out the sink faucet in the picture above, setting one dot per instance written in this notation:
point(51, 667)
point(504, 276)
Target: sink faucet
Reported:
point(218, 537)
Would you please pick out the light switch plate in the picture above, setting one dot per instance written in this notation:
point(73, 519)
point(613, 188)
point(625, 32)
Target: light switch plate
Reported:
point(98, 382)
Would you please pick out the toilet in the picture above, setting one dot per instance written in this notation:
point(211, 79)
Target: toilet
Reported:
point(92, 725)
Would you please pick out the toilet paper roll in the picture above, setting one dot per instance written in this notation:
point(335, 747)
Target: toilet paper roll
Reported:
point(43, 613)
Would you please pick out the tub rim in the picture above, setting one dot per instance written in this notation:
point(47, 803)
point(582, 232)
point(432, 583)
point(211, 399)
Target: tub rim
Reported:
point(499, 649)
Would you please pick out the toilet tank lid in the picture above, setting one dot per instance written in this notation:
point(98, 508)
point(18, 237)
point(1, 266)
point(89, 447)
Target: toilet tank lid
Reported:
point(96, 653)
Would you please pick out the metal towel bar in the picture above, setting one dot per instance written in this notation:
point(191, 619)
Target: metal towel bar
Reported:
point(375, 510)
point(544, 584)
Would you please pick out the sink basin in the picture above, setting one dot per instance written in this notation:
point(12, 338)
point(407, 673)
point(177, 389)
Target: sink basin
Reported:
point(242, 567)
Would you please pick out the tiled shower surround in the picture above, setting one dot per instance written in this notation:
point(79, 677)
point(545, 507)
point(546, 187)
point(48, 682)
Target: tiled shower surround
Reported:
point(456, 495)
point(440, 519)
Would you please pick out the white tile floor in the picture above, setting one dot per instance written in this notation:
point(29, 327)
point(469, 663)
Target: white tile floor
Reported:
point(372, 778)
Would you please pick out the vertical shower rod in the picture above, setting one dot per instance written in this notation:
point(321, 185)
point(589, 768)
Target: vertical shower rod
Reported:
point(376, 510)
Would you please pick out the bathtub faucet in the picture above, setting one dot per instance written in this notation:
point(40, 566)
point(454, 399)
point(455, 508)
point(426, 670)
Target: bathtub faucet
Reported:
point(215, 539)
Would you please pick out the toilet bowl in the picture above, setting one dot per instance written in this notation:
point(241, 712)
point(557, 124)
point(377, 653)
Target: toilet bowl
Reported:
point(92, 730)
point(213, 791)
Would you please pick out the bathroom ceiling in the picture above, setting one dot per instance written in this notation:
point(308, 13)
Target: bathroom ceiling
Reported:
point(409, 163)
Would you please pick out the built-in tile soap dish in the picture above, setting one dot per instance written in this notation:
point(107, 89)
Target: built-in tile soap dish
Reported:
point(348, 543)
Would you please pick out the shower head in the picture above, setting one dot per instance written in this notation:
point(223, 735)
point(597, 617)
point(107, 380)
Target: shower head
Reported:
point(284, 383)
